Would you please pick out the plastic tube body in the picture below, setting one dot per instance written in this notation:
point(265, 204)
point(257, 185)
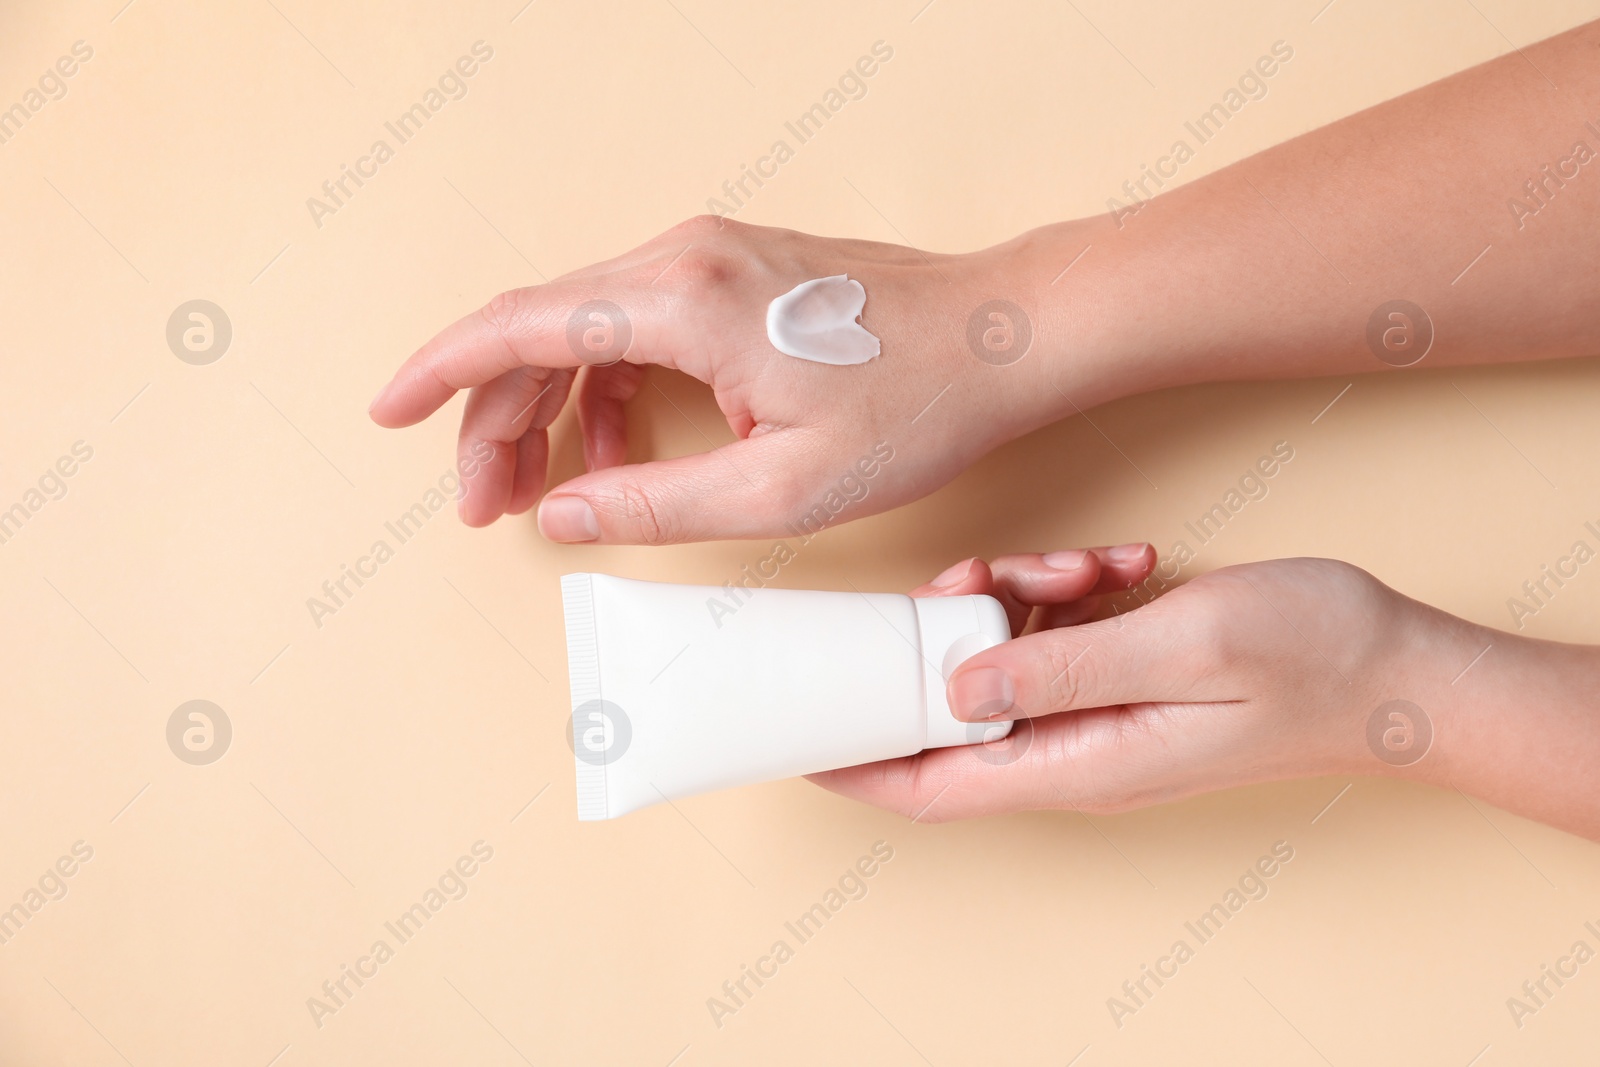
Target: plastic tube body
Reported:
point(678, 690)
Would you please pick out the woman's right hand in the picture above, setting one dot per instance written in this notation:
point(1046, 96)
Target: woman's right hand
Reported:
point(1252, 673)
point(817, 444)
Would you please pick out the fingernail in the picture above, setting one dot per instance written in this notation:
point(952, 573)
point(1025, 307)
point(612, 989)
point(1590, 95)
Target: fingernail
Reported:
point(568, 519)
point(953, 575)
point(981, 693)
point(1127, 553)
point(377, 398)
point(1066, 560)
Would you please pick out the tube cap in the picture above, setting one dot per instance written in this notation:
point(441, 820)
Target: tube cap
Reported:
point(953, 629)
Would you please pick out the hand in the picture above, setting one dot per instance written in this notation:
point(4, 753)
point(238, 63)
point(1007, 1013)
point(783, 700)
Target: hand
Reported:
point(695, 300)
point(1248, 674)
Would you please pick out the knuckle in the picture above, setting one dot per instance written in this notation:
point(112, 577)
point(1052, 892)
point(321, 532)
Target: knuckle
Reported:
point(695, 255)
point(1344, 575)
point(793, 497)
point(1209, 608)
point(505, 313)
point(1212, 637)
point(1064, 680)
point(649, 521)
point(619, 381)
point(700, 268)
point(702, 225)
point(921, 802)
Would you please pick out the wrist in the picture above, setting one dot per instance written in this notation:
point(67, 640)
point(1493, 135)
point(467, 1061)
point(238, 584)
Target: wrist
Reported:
point(1091, 343)
point(1503, 718)
point(1412, 721)
point(1519, 731)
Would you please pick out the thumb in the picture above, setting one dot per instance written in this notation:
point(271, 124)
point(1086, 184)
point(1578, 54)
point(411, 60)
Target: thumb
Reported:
point(1151, 654)
point(747, 488)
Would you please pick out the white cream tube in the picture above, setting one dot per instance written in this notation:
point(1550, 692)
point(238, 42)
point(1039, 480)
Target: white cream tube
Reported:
point(682, 689)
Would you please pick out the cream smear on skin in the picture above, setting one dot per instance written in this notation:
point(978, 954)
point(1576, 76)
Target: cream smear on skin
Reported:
point(816, 320)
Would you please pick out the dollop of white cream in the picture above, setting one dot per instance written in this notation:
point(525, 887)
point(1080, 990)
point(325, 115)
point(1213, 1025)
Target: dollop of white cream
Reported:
point(816, 320)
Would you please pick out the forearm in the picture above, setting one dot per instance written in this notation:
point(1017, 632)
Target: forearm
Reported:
point(1273, 267)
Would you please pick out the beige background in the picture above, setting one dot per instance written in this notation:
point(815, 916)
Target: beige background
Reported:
point(370, 753)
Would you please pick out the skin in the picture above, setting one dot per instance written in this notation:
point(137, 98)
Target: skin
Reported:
point(1253, 673)
point(1271, 268)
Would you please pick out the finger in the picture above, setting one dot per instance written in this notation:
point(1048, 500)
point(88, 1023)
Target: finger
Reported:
point(498, 417)
point(601, 396)
point(1124, 566)
point(503, 409)
point(973, 577)
point(1026, 582)
point(967, 781)
point(1062, 581)
point(1019, 582)
point(530, 327)
point(1099, 759)
point(1149, 654)
point(969, 577)
point(533, 457)
point(748, 488)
